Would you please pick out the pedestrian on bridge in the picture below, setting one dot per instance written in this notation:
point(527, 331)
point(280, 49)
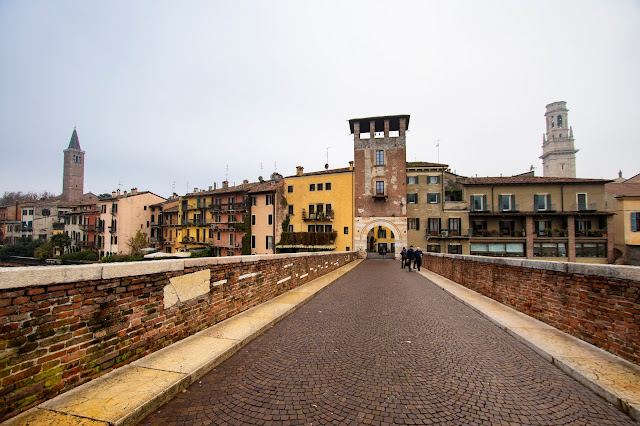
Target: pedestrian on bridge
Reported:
point(417, 258)
point(403, 254)
point(410, 257)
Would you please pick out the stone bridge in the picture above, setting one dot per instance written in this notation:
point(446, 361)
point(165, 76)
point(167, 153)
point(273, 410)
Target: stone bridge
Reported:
point(113, 342)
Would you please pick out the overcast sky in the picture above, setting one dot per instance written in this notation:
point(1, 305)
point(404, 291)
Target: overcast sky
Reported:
point(176, 95)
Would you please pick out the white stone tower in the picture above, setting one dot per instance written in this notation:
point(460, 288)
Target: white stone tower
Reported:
point(558, 150)
point(73, 172)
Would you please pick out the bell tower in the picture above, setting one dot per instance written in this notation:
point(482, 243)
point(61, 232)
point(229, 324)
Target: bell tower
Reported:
point(73, 172)
point(558, 149)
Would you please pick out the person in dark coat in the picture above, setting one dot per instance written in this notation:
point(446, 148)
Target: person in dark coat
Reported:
point(410, 256)
point(417, 257)
point(403, 253)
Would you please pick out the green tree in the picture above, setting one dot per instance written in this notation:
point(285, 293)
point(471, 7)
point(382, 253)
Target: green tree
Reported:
point(60, 241)
point(44, 251)
point(138, 242)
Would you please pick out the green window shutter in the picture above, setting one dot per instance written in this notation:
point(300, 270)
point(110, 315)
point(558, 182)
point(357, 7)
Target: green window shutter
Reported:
point(634, 222)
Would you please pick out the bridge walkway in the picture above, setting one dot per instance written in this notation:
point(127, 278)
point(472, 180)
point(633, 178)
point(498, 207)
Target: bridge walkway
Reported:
point(383, 345)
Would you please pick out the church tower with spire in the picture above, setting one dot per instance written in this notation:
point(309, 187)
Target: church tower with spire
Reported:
point(558, 150)
point(73, 174)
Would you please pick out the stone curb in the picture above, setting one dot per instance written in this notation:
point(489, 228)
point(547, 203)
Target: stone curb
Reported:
point(612, 378)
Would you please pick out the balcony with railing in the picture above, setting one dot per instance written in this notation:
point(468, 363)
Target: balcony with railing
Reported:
point(229, 207)
point(482, 208)
point(317, 216)
point(87, 228)
point(446, 233)
point(308, 239)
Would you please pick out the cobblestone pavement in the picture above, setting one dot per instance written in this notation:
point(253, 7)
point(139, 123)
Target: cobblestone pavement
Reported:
point(381, 346)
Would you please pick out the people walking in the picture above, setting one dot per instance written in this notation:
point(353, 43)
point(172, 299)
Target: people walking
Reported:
point(403, 254)
point(410, 256)
point(417, 256)
point(384, 252)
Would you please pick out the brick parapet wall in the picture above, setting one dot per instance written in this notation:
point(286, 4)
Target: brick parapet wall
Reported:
point(61, 326)
point(599, 304)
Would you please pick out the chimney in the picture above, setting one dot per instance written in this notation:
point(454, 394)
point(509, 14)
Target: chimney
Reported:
point(350, 165)
point(299, 170)
point(134, 190)
point(113, 194)
point(125, 192)
point(195, 189)
point(210, 187)
point(245, 181)
point(225, 184)
point(118, 192)
point(215, 185)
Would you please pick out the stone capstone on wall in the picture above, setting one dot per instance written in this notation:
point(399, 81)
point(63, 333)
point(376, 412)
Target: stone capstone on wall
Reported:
point(186, 287)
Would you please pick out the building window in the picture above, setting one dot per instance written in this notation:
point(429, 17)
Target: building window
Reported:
point(382, 233)
point(412, 180)
point(507, 203)
point(379, 187)
point(311, 228)
point(433, 179)
point(379, 157)
point(319, 187)
point(433, 248)
point(433, 198)
point(497, 249)
point(346, 230)
point(434, 225)
point(270, 221)
point(479, 203)
point(269, 199)
point(253, 200)
point(269, 242)
point(591, 250)
point(327, 186)
point(231, 239)
point(312, 209)
point(454, 249)
point(328, 228)
point(291, 209)
point(413, 223)
point(290, 189)
point(218, 236)
point(549, 250)
point(231, 218)
point(454, 226)
point(635, 221)
point(253, 241)
point(312, 187)
point(582, 201)
point(542, 202)
point(218, 218)
point(253, 219)
point(290, 228)
point(412, 198)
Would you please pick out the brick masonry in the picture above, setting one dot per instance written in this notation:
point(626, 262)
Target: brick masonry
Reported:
point(63, 326)
point(599, 304)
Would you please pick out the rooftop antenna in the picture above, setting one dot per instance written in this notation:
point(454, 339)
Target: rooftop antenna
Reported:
point(438, 146)
point(226, 174)
point(326, 166)
point(173, 188)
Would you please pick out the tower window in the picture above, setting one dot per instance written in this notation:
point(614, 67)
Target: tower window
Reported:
point(379, 157)
point(559, 121)
point(553, 124)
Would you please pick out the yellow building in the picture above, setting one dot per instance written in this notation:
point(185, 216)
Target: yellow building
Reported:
point(320, 211)
point(624, 200)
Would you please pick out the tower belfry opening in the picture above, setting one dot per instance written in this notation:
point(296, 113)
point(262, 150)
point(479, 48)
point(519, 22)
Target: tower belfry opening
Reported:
point(73, 170)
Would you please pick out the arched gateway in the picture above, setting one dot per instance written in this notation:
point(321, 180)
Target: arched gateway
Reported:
point(398, 228)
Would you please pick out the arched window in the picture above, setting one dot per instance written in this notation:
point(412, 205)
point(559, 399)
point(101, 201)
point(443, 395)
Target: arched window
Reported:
point(553, 123)
point(559, 121)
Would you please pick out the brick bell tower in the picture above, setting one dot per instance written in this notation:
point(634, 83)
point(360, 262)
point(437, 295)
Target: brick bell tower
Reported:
point(73, 172)
point(380, 177)
point(558, 149)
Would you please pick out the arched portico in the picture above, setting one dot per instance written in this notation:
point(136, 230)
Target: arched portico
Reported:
point(397, 225)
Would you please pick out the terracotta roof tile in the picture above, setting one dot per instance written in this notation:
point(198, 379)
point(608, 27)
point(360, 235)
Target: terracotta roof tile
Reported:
point(528, 180)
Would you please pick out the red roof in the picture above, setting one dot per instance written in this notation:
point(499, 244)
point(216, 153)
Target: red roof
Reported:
point(529, 180)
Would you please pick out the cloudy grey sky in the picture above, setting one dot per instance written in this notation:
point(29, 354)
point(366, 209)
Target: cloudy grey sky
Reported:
point(170, 94)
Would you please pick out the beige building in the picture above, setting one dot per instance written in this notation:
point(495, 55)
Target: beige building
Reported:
point(437, 215)
point(623, 199)
point(268, 210)
point(121, 216)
